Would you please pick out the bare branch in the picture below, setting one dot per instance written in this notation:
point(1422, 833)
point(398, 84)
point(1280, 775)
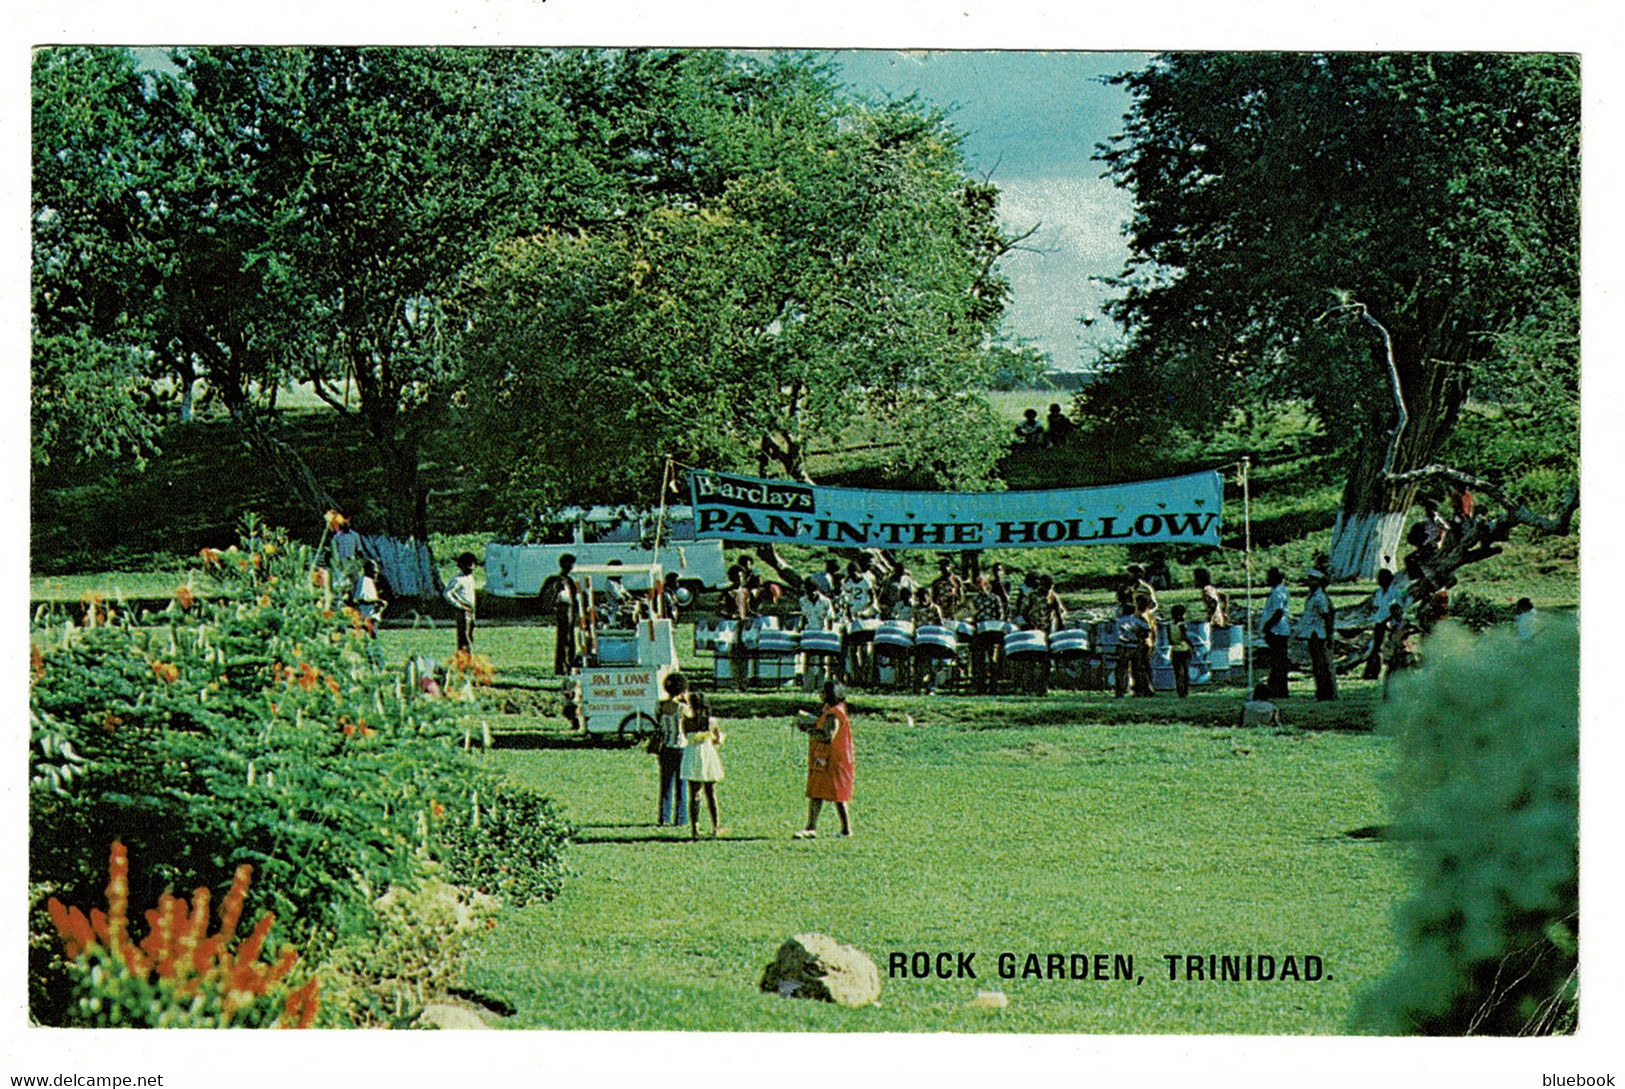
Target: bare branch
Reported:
point(1402, 415)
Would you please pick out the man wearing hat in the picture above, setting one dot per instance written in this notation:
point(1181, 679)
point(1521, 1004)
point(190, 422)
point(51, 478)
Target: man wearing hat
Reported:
point(1315, 625)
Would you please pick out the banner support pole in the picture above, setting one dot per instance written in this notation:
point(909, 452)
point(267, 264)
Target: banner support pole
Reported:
point(1247, 562)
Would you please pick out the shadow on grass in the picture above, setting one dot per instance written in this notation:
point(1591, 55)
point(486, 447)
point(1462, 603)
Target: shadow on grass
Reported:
point(670, 836)
point(501, 740)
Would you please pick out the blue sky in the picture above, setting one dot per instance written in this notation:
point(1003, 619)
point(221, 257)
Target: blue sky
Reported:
point(1031, 122)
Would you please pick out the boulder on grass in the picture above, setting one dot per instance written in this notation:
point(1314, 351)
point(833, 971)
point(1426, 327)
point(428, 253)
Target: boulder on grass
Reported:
point(819, 967)
point(442, 1015)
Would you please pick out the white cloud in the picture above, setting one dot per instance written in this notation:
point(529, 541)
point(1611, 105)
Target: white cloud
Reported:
point(1080, 236)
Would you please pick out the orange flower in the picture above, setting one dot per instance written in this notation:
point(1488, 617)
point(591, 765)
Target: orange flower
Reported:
point(211, 556)
point(179, 949)
point(111, 722)
point(300, 1008)
point(183, 595)
point(265, 601)
point(308, 676)
point(36, 661)
point(335, 520)
point(437, 809)
point(167, 672)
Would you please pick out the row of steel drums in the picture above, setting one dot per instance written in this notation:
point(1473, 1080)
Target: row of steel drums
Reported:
point(773, 651)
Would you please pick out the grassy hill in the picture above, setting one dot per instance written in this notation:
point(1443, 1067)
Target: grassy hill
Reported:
point(93, 519)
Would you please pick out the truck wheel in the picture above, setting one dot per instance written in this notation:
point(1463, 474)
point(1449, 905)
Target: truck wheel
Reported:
point(638, 724)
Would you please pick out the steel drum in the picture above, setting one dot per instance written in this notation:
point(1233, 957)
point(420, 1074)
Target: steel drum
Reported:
point(1069, 644)
point(821, 642)
point(1019, 643)
point(931, 641)
point(894, 633)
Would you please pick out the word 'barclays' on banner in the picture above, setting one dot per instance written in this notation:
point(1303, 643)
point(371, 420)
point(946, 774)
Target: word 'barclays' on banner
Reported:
point(1180, 510)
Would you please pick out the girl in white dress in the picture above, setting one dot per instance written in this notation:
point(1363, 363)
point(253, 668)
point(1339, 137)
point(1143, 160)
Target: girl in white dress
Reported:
point(702, 765)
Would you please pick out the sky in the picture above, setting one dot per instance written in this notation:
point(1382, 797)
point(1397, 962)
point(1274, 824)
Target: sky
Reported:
point(1032, 121)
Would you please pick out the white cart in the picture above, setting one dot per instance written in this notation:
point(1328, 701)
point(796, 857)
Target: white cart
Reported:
point(623, 670)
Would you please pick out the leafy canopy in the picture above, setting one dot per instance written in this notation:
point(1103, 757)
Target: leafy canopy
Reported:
point(1441, 190)
point(787, 265)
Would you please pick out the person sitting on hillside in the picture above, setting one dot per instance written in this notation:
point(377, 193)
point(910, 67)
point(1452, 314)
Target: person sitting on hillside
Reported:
point(1029, 432)
point(1058, 426)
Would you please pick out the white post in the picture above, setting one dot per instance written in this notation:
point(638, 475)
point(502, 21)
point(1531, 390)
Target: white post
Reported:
point(1247, 562)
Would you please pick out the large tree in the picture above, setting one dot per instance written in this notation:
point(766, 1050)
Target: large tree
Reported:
point(1282, 198)
point(790, 263)
point(258, 216)
point(91, 276)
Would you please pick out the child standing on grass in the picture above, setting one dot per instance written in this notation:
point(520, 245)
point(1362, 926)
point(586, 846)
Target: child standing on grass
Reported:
point(1179, 652)
point(671, 716)
point(702, 766)
point(460, 596)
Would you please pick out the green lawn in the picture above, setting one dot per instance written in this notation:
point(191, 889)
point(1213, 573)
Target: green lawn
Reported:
point(1135, 838)
point(1075, 823)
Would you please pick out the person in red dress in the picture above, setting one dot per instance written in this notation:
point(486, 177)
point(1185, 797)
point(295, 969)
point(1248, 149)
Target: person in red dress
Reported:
point(830, 761)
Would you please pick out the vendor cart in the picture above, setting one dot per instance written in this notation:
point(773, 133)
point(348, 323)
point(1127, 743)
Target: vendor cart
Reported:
point(623, 665)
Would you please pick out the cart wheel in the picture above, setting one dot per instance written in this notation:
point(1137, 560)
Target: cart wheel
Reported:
point(638, 724)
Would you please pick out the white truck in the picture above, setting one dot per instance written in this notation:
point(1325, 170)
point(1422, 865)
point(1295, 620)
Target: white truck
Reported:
point(519, 570)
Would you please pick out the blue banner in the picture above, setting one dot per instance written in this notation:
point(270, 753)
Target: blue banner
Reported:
point(1175, 510)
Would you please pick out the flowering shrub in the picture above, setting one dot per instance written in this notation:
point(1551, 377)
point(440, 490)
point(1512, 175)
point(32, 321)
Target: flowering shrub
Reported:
point(509, 844)
point(1488, 802)
point(179, 975)
point(249, 724)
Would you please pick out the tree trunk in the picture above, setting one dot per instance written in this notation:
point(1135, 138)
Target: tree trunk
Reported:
point(1370, 527)
point(284, 462)
point(407, 502)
